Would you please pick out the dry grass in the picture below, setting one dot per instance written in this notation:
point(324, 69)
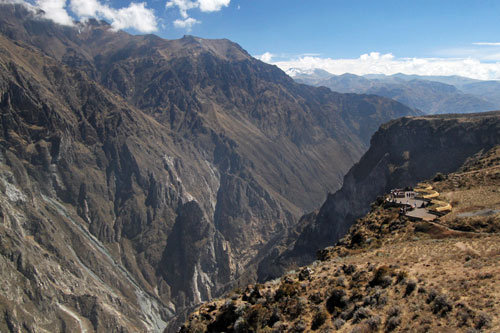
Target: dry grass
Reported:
point(389, 274)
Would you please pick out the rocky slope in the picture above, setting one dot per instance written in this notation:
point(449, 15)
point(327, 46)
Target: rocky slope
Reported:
point(388, 274)
point(142, 176)
point(428, 94)
point(402, 153)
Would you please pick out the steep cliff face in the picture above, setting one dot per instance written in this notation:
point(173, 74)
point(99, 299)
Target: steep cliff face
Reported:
point(402, 153)
point(147, 175)
point(389, 272)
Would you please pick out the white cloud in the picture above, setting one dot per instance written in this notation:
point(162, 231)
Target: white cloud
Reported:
point(487, 44)
point(266, 57)
point(183, 5)
point(483, 53)
point(376, 63)
point(186, 23)
point(135, 16)
point(213, 5)
point(202, 5)
point(55, 10)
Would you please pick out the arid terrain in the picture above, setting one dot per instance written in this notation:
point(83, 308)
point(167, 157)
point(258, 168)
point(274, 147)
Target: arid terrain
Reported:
point(140, 176)
point(389, 273)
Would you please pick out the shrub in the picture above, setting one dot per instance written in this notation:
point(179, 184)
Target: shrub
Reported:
point(410, 287)
point(386, 281)
point(294, 307)
point(432, 295)
point(359, 275)
point(319, 319)
point(347, 314)
point(241, 326)
point(349, 269)
point(226, 317)
point(279, 327)
point(439, 177)
point(392, 323)
point(275, 317)
point(402, 276)
point(482, 321)
point(337, 299)
point(393, 312)
point(360, 314)
point(299, 327)
point(316, 297)
point(381, 277)
point(373, 323)
point(340, 281)
point(287, 289)
point(463, 317)
point(357, 239)
point(257, 316)
point(369, 300)
point(441, 305)
point(305, 274)
point(338, 323)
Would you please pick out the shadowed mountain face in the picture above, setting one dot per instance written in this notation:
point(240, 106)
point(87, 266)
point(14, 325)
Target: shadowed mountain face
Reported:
point(140, 176)
point(389, 272)
point(432, 95)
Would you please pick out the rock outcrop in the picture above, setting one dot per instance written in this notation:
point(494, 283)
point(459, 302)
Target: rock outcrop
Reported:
point(403, 152)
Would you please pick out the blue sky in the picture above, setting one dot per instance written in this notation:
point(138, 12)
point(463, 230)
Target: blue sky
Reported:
point(349, 28)
point(438, 37)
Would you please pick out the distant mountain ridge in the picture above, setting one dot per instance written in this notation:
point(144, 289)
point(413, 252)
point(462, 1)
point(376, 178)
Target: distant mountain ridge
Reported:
point(430, 94)
point(140, 176)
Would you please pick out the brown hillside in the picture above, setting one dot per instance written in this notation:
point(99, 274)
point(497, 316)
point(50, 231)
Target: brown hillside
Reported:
point(389, 274)
point(141, 176)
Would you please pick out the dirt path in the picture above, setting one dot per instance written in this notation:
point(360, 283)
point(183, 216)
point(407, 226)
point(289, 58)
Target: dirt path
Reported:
point(431, 194)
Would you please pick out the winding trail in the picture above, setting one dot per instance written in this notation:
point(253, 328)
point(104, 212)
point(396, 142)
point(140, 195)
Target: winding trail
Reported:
point(419, 211)
point(431, 194)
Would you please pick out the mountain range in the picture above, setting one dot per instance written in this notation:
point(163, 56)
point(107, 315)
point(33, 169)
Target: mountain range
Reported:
point(430, 94)
point(141, 176)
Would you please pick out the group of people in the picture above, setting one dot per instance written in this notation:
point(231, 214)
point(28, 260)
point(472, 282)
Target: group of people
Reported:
point(407, 194)
point(406, 208)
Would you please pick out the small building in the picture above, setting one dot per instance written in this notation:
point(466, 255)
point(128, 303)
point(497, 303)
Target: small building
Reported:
point(400, 194)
